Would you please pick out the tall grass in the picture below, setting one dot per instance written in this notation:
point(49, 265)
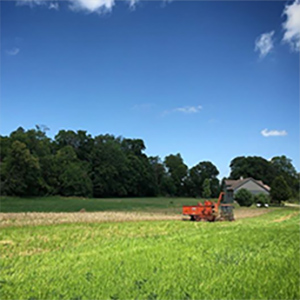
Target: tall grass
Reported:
point(254, 258)
point(62, 204)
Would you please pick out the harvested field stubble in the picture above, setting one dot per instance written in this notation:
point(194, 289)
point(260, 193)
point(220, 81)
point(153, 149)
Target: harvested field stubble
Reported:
point(22, 219)
point(252, 258)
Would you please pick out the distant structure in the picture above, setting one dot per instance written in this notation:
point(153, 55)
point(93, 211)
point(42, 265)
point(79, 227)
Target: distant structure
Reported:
point(253, 186)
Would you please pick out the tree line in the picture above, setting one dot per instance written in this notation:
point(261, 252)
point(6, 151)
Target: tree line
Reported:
point(77, 164)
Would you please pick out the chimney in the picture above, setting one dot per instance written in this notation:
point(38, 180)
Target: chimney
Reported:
point(241, 178)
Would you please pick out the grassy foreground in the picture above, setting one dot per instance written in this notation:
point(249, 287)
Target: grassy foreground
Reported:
point(62, 204)
point(254, 258)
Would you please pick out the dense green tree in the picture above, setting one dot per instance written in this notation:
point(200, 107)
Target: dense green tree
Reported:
point(35, 140)
point(197, 175)
point(206, 188)
point(110, 168)
point(177, 171)
point(141, 179)
point(5, 143)
point(75, 181)
point(80, 141)
point(75, 163)
point(283, 167)
point(159, 172)
point(215, 187)
point(262, 169)
point(133, 146)
point(20, 173)
point(252, 166)
point(244, 197)
point(280, 191)
point(168, 187)
point(73, 178)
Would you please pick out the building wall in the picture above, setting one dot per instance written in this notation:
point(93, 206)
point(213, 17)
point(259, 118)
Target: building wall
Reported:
point(253, 188)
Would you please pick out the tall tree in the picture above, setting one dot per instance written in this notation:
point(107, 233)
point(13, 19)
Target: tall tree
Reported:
point(283, 167)
point(73, 178)
point(206, 188)
point(80, 141)
point(20, 173)
point(159, 172)
point(109, 167)
point(215, 187)
point(280, 191)
point(200, 172)
point(252, 166)
point(177, 171)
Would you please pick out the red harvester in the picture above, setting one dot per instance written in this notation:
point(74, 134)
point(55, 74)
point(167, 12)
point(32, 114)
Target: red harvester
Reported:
point(209, 211)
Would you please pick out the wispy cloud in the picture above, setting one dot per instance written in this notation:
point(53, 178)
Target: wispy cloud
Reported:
point(54, 6)
point(30, 3)
point(184, 110)
point(292, 25)
point(33, 3)
point(89, 6)
point(264, 43)
point(267, 133)
point(12, 52)
point(143, 107)
point(188, 109)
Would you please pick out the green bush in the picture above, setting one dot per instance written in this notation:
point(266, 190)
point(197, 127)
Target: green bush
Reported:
point(262, 199)
point(280, 191)
point(244, 197)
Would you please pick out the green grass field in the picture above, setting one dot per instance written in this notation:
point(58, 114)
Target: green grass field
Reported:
point(61, 204)
point(252, 258)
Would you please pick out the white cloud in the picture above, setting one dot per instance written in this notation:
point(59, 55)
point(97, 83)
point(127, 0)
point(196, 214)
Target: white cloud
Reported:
point(12, 52)
point(90, 6)
point(264, 43)
point(184, 110)
point(189, 109)
point(54, 6)
point(98, 6)
point(292, 25)
point(267, 133)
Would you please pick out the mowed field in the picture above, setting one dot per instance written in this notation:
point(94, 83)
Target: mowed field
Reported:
point(255, 257)
point(63, 204)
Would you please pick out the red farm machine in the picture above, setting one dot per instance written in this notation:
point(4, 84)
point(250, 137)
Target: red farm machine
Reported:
point(210, 211)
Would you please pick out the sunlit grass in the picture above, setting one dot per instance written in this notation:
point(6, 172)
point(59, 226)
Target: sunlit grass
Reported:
point(254, 258)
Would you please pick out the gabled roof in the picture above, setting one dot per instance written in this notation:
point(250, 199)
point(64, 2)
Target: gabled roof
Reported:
point(234, 184)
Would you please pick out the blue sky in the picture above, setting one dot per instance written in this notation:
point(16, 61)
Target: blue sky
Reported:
point(208, 80)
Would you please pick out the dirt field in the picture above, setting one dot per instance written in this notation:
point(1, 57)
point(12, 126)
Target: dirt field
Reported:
point(23, 219)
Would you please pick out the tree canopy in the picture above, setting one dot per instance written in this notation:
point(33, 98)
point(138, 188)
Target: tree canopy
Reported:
point(76, 164)
point(266, 170)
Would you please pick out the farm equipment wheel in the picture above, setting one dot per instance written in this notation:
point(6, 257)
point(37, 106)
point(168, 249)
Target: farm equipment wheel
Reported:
point(193, 218)
point(211, 218)
point(197, 218)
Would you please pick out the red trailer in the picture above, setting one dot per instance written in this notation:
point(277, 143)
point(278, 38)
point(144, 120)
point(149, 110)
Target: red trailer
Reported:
point(208, 211)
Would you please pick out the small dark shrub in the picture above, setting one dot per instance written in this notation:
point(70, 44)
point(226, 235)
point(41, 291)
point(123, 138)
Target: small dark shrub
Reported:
point(261, 199)
point(244, 197)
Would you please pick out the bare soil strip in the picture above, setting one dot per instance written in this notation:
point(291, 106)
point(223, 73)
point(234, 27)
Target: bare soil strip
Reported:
point(242, 213)
point(286, 217)
point(23, 219)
